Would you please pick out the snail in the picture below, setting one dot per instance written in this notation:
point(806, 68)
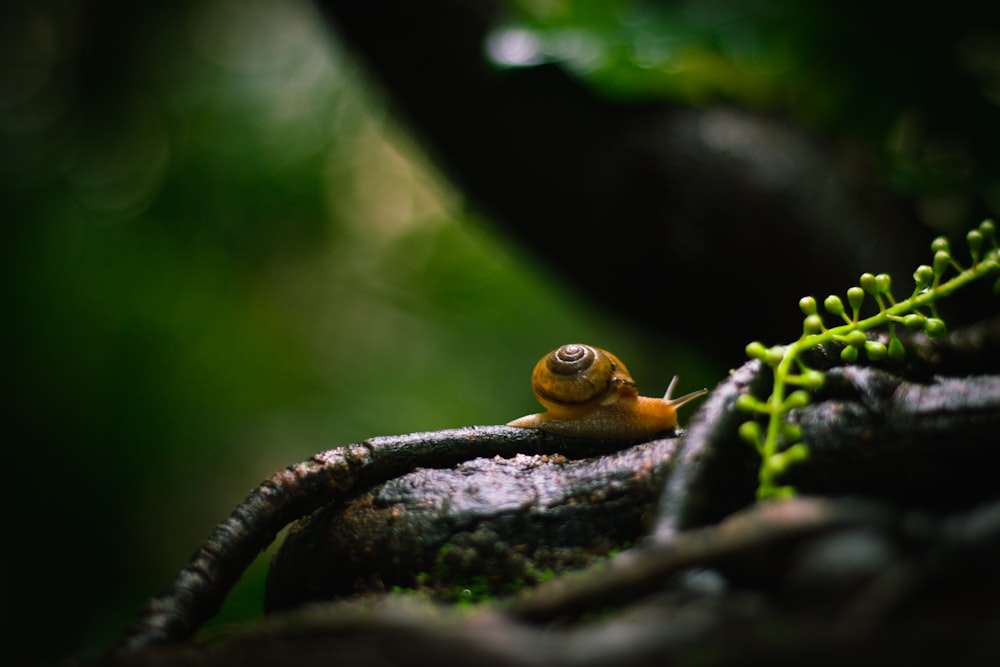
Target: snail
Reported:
point(588, 392)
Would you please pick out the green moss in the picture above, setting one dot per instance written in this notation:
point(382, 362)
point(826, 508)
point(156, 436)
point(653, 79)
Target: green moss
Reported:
point(477, 566)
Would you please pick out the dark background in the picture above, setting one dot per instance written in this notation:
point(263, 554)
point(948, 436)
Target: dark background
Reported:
point(236, 233)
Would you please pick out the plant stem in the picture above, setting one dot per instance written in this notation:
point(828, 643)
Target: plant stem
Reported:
point(775, 406)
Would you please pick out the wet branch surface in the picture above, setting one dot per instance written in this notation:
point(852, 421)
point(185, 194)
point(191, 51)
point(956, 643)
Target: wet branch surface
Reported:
point(199, 589)
point(889, 553)
point(482, 528)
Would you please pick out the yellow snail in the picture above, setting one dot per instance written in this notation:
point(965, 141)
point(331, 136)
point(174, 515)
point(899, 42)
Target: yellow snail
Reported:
point(589, 393)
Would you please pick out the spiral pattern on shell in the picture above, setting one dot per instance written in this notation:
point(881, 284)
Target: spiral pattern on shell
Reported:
point(570, 359)
point(577, 374)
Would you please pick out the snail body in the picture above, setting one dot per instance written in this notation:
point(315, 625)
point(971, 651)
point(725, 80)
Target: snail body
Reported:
point(588, 392)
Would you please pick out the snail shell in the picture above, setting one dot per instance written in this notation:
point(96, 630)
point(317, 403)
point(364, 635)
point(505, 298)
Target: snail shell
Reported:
point(578, 377)
point(588, 392)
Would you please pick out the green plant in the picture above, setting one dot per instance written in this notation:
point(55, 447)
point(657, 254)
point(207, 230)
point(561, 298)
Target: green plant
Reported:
point(779, 441)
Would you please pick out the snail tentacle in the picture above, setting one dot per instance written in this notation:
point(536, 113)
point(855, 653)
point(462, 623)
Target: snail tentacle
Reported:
point(670, 388)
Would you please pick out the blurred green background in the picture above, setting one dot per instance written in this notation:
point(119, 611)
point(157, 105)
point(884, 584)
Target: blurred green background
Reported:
point(915, 85)
point(221, 255)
